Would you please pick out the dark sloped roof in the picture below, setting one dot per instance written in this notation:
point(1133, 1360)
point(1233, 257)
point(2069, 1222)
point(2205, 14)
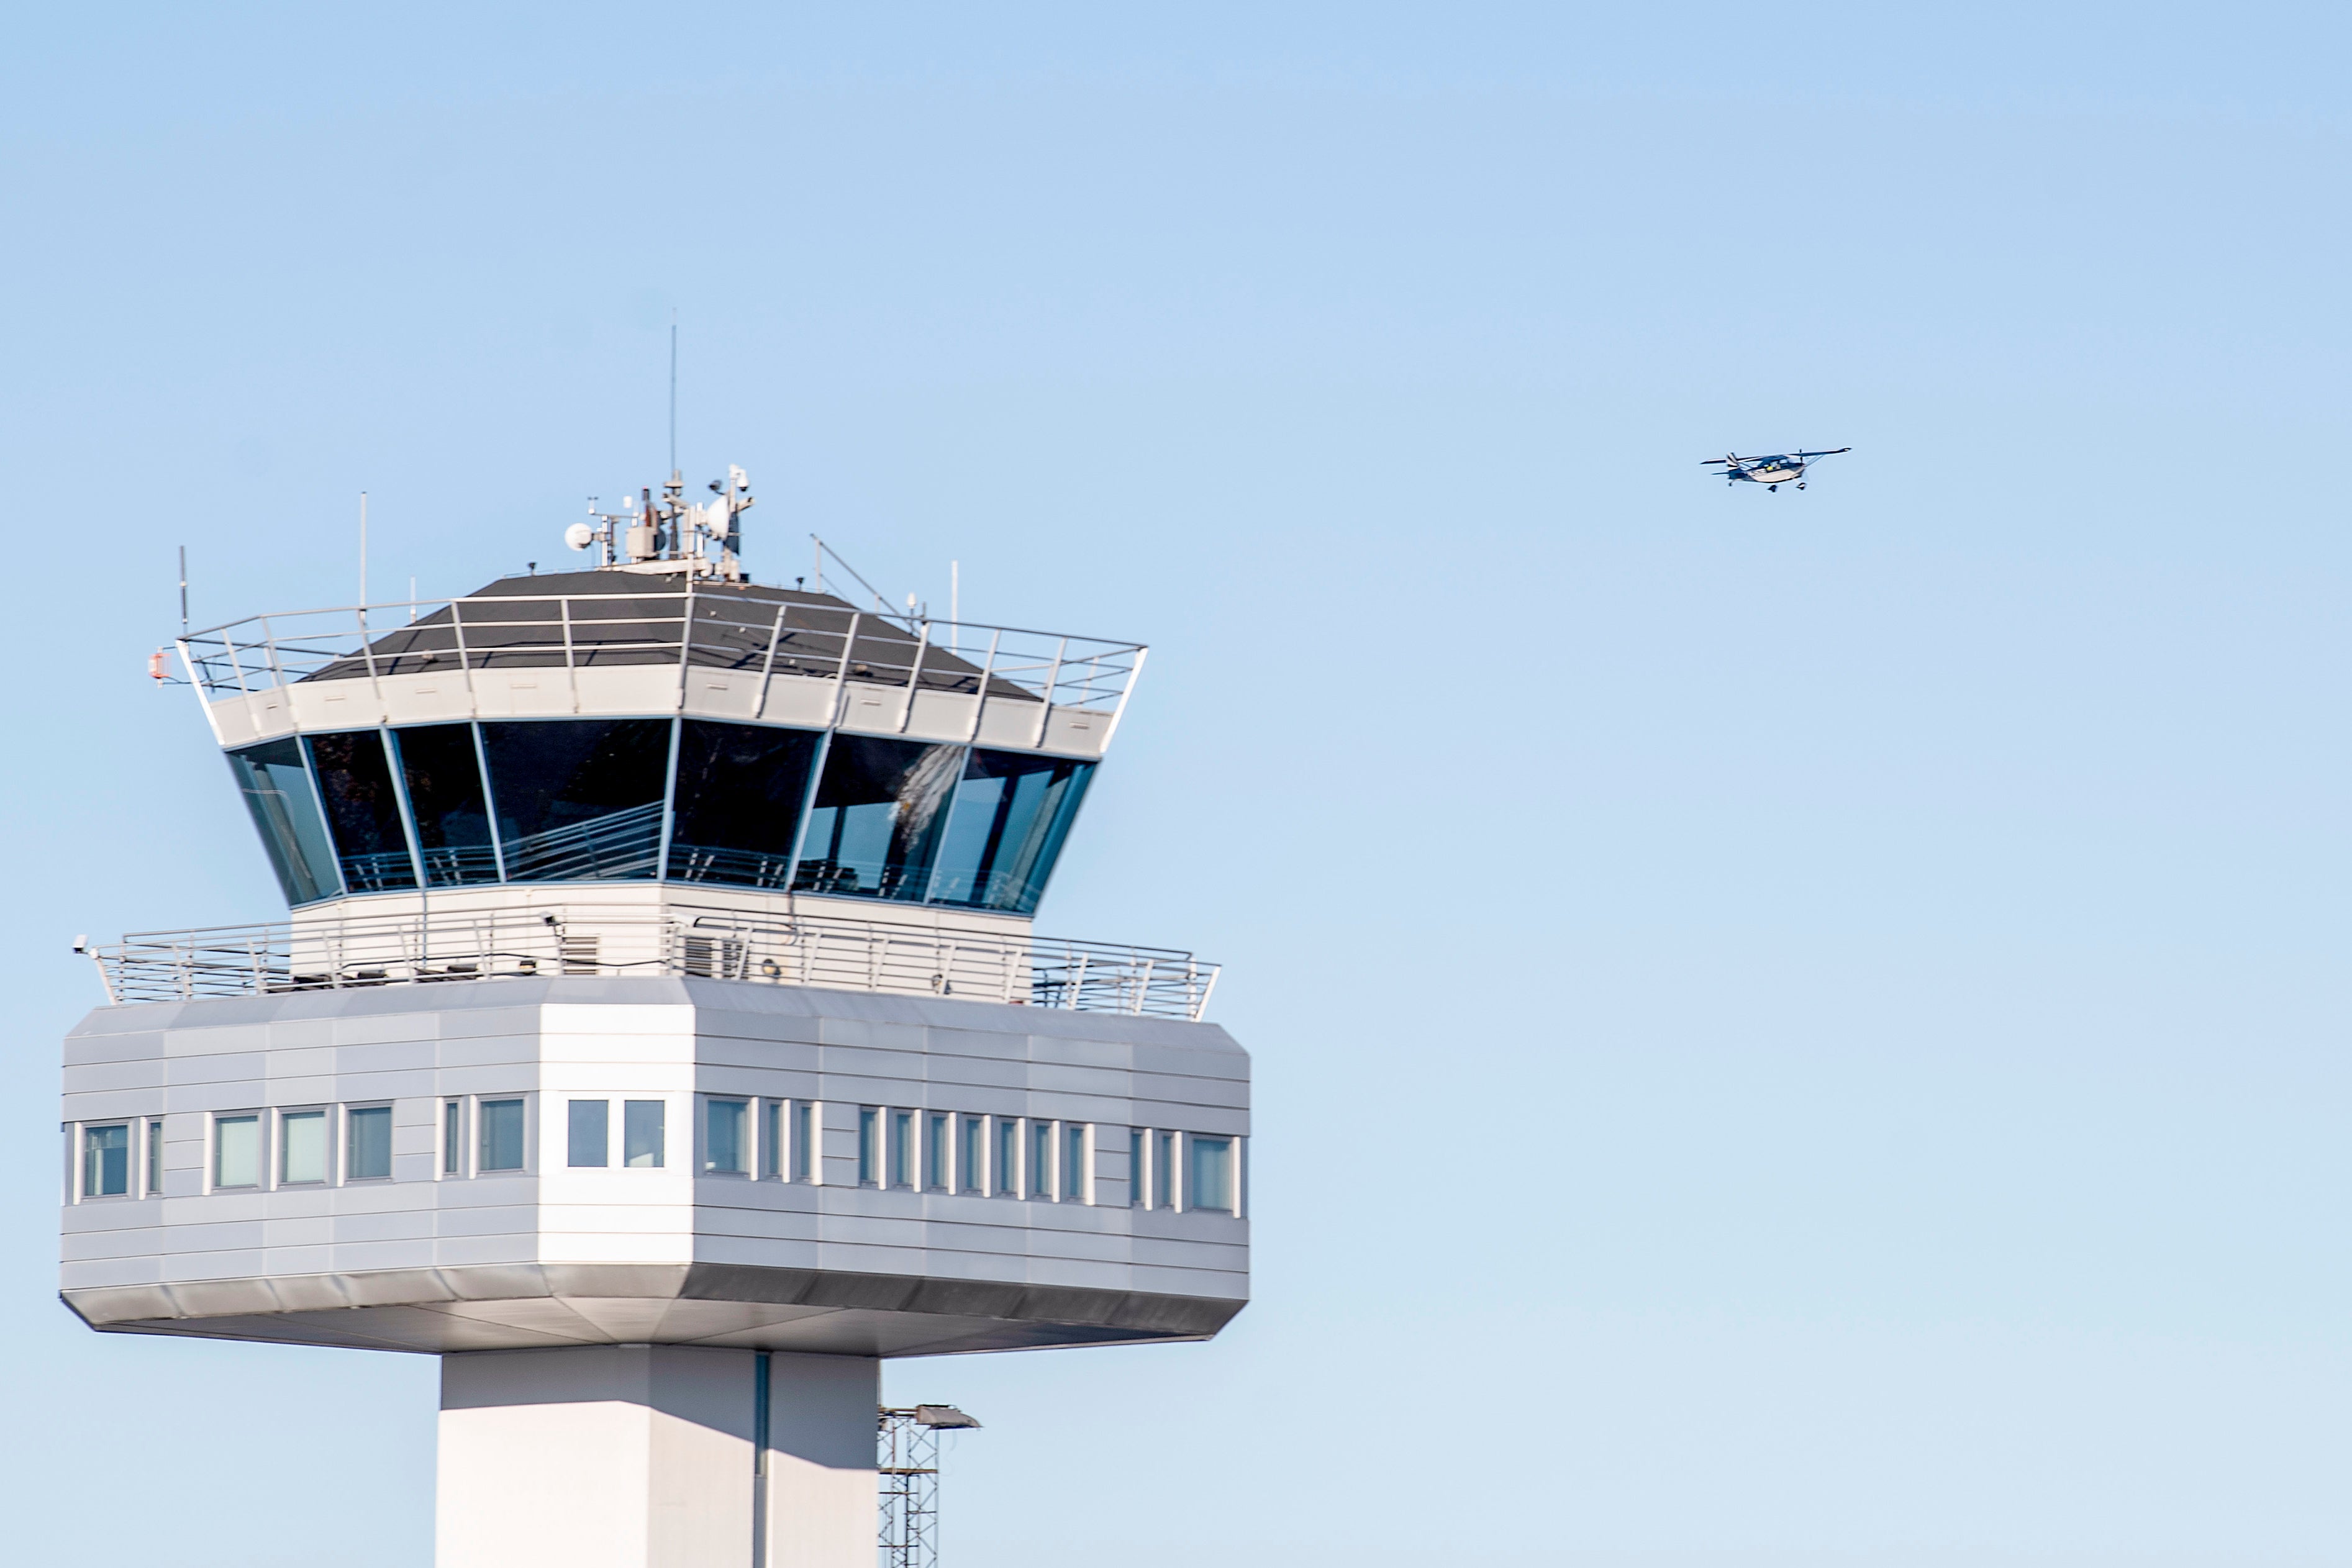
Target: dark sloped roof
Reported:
point(612, 617)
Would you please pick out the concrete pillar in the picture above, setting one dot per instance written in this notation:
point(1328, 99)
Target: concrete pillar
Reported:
point(649, 1456)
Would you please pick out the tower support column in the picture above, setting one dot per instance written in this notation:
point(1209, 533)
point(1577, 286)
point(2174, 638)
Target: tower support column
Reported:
point(655, 1457)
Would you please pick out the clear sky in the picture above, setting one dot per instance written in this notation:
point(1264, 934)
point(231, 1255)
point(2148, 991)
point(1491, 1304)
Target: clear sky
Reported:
point(1791, 1029)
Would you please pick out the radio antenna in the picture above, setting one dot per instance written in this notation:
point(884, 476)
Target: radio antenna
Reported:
point(673, 394)
point(183, 591)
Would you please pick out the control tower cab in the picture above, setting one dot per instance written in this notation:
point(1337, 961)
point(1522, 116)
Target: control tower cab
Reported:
point(657, 1034)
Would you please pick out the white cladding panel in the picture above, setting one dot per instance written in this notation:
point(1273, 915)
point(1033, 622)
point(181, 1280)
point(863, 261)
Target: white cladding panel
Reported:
point(547, 1042)
point(625, 690)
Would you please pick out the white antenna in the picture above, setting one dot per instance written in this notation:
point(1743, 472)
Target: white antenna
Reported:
point(955, 590)
point(362, 550)
point(183, 591)
point(673, 394)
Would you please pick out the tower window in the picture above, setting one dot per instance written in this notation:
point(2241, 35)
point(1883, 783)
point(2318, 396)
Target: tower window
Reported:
point(1041, 1159)
point(937, 1129)
point(588, 1132)
point(642, 1134)
point(155, 1158)
point(1138, 1184)
point(902, 1148)
point(369, 1130)
point(723, 1126)
point(453, 1138)
point(106, 1161)
point(972, 1172)
point(1210, 1182)
point(869, 1153)
point(237, 1150)
point(1011, 814)
point(362, 811)
point(1007, 1183)
point(879, 807)
point(804, 1141)
point(1074, 1162)
point(1164, 1171)
point(277, 789)
point(302, 1147)
point(502, 1136)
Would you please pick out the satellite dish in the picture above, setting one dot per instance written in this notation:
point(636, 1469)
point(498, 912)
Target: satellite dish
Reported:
point(579, 536)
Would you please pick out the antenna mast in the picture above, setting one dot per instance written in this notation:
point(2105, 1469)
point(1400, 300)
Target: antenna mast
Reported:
point(673, 394)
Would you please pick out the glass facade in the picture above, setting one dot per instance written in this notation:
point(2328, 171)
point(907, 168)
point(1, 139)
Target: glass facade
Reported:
point(365, 810)
point(362, 811)
point(578, 801)
point(740, 791)
point(877, 818)
point(1012, 812)
point(277, 789)
point(442, 766)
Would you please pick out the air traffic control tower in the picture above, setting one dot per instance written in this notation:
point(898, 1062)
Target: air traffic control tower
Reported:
point(659, 1038)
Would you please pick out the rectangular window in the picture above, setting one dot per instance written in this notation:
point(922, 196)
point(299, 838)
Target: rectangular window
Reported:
point(155, 1159)
point(1041, 1159)
point(1008, 1158)
point(1138, 1193)
point(1074, 1162)
point(869, 1154)
point(453, 1139)
point(937, 1129)
point(301, 1147)
point(588, 1132)
point(1163, 1171)
point(804, 1141)
point(902, 1148)
point(642, 1134)
point(771, 1139)
point(105, 1162)
point(369, 1130)
point(724, 1122)
point(502, 1136)
point(237, 1150)
point(1210, 1183)
point(972, 1175)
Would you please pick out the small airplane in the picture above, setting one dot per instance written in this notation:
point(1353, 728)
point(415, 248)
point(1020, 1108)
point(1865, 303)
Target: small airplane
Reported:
point(1769, 472)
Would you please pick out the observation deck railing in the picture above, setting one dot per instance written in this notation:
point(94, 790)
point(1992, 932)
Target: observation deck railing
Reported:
point(690, 625)
point(823, 951)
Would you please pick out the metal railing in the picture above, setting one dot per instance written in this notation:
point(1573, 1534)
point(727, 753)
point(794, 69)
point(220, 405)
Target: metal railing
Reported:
point(825, 951)
point(699, 627)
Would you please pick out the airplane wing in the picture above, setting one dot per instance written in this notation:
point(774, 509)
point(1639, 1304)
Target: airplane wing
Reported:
point(1831, 453)
point(1718, 462)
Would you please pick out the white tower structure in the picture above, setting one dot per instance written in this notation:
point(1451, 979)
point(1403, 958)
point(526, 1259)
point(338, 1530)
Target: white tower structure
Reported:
point(659, 1036)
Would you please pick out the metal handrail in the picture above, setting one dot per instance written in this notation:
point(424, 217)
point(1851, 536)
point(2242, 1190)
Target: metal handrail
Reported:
point(696, 629)
point(832, 952)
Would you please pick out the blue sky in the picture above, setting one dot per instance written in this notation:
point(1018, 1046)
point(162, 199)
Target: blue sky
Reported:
point(1800, 1029)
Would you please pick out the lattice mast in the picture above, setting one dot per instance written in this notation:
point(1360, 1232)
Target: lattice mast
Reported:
point(909, 1460)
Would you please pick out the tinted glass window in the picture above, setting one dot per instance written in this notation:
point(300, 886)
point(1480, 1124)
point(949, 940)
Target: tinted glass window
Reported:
point(105, 1162)
point(879, 807)
point(277, 790)
point(445, 795)
point(1011, 814)
point(578, 799)
point(502, 1136)
point(641, 1134)
point(362, 811)
point(370, 1136)
point(589, 1139)
point(740, 789)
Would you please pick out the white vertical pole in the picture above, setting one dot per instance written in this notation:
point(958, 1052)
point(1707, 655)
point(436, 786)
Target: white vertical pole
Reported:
point(363, 549)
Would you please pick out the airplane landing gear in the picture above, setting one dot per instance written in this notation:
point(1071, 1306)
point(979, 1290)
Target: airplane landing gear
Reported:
point(1800, 484)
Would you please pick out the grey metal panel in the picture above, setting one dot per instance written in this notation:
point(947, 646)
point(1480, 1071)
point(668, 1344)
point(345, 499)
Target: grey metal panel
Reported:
point(942, 1053)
